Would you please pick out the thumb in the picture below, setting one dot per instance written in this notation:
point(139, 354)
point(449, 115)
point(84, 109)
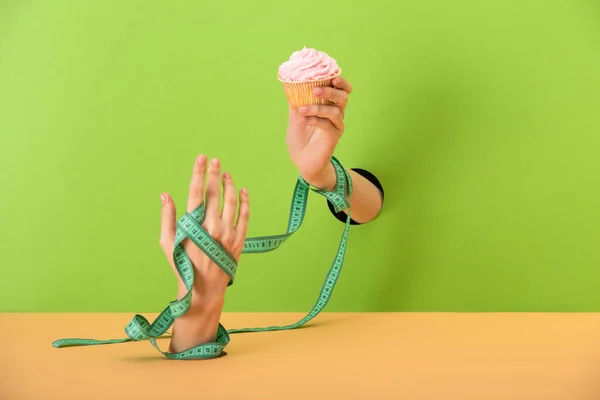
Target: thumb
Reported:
point(167, 226)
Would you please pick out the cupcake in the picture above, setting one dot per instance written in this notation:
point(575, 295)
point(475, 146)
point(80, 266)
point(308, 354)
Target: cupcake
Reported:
point(304, 70)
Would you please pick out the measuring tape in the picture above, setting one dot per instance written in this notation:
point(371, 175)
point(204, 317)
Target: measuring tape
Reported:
point(190, 226)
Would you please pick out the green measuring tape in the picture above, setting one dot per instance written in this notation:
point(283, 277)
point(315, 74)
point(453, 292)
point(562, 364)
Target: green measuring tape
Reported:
point(190, 226)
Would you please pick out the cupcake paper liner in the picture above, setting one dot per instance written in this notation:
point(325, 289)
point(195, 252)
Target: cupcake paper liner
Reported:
point(300, 94)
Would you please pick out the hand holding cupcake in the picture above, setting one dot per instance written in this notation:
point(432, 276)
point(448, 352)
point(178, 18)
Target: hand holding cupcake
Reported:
point(317, 97)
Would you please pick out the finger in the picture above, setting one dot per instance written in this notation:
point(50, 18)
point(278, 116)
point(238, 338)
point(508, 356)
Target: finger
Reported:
point(229, 207)
point(336, 96)
point(213, 190)
point(241, 226)
point(321, 123)
point(196, 191)
point(342, 84)
point(332, 113)
point(167, 226)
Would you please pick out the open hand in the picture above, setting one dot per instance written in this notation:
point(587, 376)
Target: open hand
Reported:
point(200, 323)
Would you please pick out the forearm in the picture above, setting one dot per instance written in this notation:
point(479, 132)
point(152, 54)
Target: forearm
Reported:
point(367, 199)
point(199, 325)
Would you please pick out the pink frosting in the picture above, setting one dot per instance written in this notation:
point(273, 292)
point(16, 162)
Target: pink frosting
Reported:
point(308, 65)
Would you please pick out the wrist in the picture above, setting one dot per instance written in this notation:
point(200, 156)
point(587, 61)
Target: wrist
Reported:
point(326, 180)
point(204, 300)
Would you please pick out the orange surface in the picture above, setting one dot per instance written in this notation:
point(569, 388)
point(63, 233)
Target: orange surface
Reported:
point(340, 356)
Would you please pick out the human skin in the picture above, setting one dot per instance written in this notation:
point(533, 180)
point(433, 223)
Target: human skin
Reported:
point(312, 135)
point(199, 325)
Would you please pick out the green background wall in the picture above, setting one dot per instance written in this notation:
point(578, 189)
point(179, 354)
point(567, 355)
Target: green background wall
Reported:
point(482, 119)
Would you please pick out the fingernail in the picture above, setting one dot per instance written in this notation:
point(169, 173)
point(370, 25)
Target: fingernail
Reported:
point(163, 199)
point(201, 159)
point(226, 175)
point(214, 162)
point(304, 119)
point(318, 90)
point(244, 191)
point(304, 109)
